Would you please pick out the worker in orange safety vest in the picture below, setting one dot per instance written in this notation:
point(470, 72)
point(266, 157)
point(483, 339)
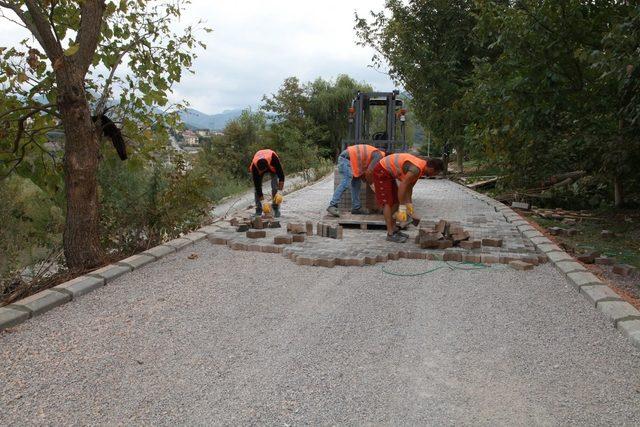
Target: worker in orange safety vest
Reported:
point(267, 161)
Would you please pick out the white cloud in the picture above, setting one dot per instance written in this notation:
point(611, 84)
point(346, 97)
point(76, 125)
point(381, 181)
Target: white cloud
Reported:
point(256, 44)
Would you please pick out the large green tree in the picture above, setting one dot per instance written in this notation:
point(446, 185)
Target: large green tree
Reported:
point(69, 71)
point(428, 49)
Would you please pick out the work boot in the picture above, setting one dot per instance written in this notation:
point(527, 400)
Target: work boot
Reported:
point(276, 211)
point(333, 210)
point(405, 235)
point(396, 238)
point(359, 211)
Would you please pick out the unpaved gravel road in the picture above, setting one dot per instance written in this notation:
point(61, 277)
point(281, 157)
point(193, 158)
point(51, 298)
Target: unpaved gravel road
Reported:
point(246, 338)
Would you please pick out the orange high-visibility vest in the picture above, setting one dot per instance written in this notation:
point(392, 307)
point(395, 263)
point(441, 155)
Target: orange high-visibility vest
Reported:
point(266, 155)
point(360, 157)
point(393, 164)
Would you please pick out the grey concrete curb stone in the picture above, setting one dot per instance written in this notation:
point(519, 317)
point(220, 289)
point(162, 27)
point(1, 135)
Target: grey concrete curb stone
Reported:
point(569, 266)
point(599, 293)
point(583, 278)
point(547, 247)
point(41, 302)
point(556, 256)
point(11, 317)
point(159, 251)
point(631, 330)
point(80, 285)
point(178, 243)
point(110, 272)
point(618, 311)
point(195, 236)
point(137, 261)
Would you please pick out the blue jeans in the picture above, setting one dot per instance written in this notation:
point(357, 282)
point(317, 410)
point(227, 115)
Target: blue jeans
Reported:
point(344, 169)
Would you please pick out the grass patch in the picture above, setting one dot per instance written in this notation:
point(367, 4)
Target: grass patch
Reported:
point(625, 246)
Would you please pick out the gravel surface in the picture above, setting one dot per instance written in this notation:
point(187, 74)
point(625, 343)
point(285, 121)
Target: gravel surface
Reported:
point(250, 338)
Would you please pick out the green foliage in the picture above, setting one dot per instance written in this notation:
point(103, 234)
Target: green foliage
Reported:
point(535, 87)
point(145, 203)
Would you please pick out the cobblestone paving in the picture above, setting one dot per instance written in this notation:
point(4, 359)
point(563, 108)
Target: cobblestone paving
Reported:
point(433, 199)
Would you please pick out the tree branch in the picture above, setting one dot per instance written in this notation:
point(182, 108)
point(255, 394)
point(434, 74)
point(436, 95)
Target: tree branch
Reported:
point(88, 36)
point(39, 26)
point(105, 91)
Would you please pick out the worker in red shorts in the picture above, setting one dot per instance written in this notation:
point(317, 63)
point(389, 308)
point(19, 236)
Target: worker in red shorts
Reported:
point(396, 200)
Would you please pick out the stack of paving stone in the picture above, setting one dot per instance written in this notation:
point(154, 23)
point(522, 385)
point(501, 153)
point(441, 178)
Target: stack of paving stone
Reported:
point(445, 234)
point(367, 196)
point(331, 231)
point(245, 224)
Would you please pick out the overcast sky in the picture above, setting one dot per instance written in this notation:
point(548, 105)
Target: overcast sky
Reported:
point(256, 44)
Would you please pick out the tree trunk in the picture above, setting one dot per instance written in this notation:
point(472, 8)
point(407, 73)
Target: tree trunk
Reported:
point(618, 193)
point(81, 236)
point(460, 159)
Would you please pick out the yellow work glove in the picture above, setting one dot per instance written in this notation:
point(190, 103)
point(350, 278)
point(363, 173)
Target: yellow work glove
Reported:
point(277, 199)
point(266, 207)
point(401, 215)
point(410, 210)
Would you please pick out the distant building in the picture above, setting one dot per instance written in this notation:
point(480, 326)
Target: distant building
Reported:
point(189, 138)
point(203, 132)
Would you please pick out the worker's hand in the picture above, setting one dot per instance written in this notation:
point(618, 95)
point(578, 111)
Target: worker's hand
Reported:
point(401, 215)
point(410, 210)
point(277, 199)
point(266, 207)
point(280, 185)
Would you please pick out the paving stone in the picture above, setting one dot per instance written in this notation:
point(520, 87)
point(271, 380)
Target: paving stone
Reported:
point(583, 278)
point(159, 251)
point(382, 257)
point(507, 258)
point(283, 240)
point(178, 243)
point(631, 330)
point(110, 272)
point(618, 311)
point(296, 228)
point(471, 257)
point(81, 285)
point(394, 256)
point(297, 238)
point(599, 293)
point(490, 259)
point(195, 236)
point(470, 244)
point(11, 317)
point(353, 262)
point(242, 228)
point(339, 232)
point(254, 247)
point(452, 255)
point(586, 258)
point(273, 224)
point(569, 266)
point(556, 256)
point(41, 302)
point(415, 254)
point(370, 260)
point(239, 246)
point(256, 234)
point(492, 242)
point(301, 260)
point(309, 228)
point(272, 249)
point(257, 223)
point(444, 244)
point(325, 262)
point(218, 240)
point(530, 259)
point(520, 265)
point(624, 269)
point(137, 261)
point(604, 260)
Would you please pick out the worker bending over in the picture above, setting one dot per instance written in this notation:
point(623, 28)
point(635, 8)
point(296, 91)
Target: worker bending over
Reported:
point(354, 164)
point(267, 161)
point(396, 201)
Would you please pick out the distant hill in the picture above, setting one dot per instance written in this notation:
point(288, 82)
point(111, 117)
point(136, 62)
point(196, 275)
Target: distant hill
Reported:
point(194, 119)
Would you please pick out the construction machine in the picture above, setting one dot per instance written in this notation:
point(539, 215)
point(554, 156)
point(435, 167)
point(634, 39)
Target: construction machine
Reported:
point(377, 119)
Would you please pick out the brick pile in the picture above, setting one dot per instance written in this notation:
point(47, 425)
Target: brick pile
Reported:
point(331, 231)
point(443, 235)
